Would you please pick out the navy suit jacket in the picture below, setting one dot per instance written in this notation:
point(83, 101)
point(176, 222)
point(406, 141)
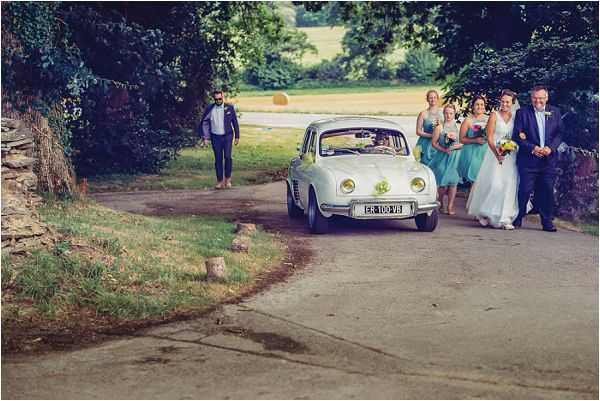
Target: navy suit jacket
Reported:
point(525, 122)
point(231, 123)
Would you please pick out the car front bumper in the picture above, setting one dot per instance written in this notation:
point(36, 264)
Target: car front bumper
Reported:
point(347, 210)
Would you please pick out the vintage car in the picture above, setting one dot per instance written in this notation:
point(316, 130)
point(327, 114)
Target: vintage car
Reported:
point(361, 168)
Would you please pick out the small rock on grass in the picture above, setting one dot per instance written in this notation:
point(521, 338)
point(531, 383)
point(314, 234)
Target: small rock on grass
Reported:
point(245, 228)
point(240, 244)
point(215, 268)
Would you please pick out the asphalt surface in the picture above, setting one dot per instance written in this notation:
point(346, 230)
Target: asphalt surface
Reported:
point(379, 310)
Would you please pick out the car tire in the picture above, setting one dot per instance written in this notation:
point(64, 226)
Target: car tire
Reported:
point(294, 212)
point(317, 223)
point(427, 223)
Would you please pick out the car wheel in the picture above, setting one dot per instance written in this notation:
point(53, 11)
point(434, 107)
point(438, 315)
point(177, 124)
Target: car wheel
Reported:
point(317, 223)
point(294, 211)
point(427, 223)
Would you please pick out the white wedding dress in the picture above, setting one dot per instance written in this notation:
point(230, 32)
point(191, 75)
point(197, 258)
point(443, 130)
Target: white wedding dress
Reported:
point(494, 193)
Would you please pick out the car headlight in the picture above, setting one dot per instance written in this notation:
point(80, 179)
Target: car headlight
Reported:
point(347, 186)
point(417, 184)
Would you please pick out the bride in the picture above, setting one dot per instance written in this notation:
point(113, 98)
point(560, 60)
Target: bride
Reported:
point(493, 199)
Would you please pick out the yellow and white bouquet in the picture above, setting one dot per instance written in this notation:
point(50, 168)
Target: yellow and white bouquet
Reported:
point(506, 145)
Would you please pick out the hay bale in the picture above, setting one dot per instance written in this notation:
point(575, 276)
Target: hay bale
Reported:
point(281, 99)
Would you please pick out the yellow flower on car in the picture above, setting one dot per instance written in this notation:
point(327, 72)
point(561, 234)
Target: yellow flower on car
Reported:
point(382, 187)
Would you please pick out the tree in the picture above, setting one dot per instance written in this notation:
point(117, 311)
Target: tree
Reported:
point(325, 16)
point(455, 29)
point(135, 74)
point(277, 51)
point(488, 46)
point(541, 61)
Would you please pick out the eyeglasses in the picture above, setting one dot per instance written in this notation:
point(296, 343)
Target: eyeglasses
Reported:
point(217, 99)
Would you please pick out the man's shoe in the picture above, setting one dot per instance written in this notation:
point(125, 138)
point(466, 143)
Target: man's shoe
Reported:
point(549, 227)
point(517, 223)
point(219, 186)
point(227, 183)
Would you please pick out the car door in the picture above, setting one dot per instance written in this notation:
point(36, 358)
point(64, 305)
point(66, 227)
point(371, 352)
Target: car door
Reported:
point(304, 167)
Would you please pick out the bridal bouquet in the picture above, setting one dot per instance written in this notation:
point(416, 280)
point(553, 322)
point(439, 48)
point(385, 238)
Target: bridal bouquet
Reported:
point(506, 146)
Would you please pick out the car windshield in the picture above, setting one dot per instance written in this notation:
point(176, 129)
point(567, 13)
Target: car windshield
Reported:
point(363, 141)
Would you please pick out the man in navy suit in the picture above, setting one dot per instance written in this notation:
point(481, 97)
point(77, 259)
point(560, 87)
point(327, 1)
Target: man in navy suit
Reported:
point(537, 131)
point(219, 124)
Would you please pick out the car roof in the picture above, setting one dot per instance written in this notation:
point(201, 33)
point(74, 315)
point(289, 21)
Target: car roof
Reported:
point(334, 123)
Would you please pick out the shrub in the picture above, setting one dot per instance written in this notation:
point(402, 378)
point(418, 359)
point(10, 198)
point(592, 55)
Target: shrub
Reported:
point(327, 70)
point(275, 73)
point(419, 66)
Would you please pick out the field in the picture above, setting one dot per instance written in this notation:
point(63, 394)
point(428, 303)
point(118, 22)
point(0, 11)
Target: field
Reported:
point(262, 156)
point(394, 100)
point(328, 41)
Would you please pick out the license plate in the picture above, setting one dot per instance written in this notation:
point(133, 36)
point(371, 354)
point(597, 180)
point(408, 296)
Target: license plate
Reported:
point(382, 209)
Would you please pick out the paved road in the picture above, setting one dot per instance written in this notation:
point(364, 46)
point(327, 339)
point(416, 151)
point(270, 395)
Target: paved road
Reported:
point(379, 311)
point(298, 120)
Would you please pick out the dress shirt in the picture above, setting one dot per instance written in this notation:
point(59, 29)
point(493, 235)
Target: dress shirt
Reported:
point(540, 117)
point(217, 120)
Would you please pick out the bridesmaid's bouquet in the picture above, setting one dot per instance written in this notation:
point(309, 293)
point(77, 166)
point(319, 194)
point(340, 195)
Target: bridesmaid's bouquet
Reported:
point(506, 146)
point(450, 138)
point(479, 130)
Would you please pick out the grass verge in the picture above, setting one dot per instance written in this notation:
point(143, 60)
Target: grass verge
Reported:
point(113, 267)
point(399, 100)
point(340, 87)
point(262, 156)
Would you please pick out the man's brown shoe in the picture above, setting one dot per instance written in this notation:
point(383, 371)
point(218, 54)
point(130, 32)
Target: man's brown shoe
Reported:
point(219, 186)
point(227, 183)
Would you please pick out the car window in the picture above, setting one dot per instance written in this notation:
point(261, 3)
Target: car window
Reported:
point(363, 141)
point(312, 145)
point(307, 138)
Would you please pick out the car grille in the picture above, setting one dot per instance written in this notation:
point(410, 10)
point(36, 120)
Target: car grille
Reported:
point(296, 190)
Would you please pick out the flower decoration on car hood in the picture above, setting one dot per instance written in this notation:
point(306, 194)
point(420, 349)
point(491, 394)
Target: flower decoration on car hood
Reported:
point(382, 187)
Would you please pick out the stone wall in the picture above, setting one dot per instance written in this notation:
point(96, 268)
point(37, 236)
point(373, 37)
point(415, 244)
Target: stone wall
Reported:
point(577, 185)
point(22, 229)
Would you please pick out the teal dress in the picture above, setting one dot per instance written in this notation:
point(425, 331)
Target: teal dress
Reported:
point(472, 153)
point(427, 151)
point(443, 165)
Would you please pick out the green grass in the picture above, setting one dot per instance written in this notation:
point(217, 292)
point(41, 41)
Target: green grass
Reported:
point(590, 228)
point(128, 266)
point(261, 154)
point(387, 100)
point(328, 41)
point(339, 88)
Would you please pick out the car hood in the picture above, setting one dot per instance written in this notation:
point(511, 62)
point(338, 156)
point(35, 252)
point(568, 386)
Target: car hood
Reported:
point(368, 170)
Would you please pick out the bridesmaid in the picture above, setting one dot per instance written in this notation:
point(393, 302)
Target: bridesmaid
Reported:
point(426, 122)
point(473, 136)
point(445, 162)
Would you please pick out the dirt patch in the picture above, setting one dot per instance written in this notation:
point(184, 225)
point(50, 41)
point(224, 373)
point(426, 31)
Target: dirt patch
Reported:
point(270, 341)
